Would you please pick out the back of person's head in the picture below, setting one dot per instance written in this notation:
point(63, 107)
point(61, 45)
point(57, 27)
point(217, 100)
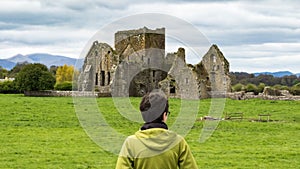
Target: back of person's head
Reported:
point(153, 105)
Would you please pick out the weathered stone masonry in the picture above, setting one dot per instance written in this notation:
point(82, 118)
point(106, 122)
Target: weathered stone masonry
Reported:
point(139, 64)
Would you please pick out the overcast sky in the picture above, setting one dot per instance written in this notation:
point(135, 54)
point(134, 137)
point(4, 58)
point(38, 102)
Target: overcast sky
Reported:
point(254, 36)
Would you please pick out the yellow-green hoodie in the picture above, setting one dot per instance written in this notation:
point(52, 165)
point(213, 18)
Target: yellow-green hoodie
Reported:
point(155, 148)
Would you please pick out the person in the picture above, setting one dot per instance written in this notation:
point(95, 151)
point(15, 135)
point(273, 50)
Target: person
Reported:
point(154, 146)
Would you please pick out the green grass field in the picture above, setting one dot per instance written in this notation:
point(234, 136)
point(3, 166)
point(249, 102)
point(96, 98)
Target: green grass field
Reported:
point(44, 132)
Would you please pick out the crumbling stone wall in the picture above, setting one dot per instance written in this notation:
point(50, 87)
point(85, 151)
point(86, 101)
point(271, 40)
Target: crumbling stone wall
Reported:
point(251, 95)
point(97, 71)
point(132, 41)
point(271, 92)
point(202, 77)
point(183, 79)
point(138, 64)
point(217, 68)
point(142, 61)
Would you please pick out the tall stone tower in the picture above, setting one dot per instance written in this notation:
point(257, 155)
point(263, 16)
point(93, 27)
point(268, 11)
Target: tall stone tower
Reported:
point(141, 59)
point(137, 41)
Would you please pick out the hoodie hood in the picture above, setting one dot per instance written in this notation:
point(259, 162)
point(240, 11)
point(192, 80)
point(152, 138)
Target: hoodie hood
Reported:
point(150, 142)
point(156, 139)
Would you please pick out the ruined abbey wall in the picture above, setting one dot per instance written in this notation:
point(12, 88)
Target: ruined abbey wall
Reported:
point(138, 64)
point(217, 68)
point(97, 68)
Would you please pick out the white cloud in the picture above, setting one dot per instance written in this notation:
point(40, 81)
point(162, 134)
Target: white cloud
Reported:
point(19, 5)
point(264, 57)
point(44, 35)
point(71, 49)
point(252, 65)
point(265, 50)
point(40, 39)
point(246, 31)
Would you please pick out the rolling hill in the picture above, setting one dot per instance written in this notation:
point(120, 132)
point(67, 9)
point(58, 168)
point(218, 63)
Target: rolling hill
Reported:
point(7, 64)
point(276, 74)
point(43, 58)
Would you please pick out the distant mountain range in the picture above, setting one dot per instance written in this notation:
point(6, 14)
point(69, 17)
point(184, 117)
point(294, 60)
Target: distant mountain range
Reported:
point(277, 74)
point(43, 58)
point(57, 60)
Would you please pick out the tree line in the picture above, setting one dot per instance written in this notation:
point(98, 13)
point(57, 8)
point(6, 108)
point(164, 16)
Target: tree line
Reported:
point(242, 81)
point(36, 77)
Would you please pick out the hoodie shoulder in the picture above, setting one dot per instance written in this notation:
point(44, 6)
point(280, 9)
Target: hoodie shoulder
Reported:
point(151, 142)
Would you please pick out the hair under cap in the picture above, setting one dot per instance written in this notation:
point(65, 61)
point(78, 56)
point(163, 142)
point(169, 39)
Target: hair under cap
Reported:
point(158, 101)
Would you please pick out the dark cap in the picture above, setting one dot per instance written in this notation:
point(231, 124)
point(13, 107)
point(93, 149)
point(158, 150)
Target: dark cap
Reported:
point(158, 102)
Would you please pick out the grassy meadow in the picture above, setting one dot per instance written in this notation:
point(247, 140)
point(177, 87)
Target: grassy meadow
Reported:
point(44, 132)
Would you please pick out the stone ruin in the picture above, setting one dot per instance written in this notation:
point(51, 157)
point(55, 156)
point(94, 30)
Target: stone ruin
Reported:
point(267, 94)
point(138, 64)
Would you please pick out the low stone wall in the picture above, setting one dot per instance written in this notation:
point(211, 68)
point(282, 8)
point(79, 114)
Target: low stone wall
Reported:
point(55, 93)
point(251, 95)
point(235, 95)
point(268, 97)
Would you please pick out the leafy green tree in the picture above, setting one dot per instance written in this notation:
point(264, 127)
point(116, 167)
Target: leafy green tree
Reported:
point(15, 70)
point(46, 81)
point(296, 81)
point(280, 87)
point(269, 80)
point(288, 80)
point(295, 90)
point(8, 87)
point(34, 77)
point(3, 73)
point(238, 87)
point(251, 88)
point(53, 69)
point(66, 86)
point(261, 87)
